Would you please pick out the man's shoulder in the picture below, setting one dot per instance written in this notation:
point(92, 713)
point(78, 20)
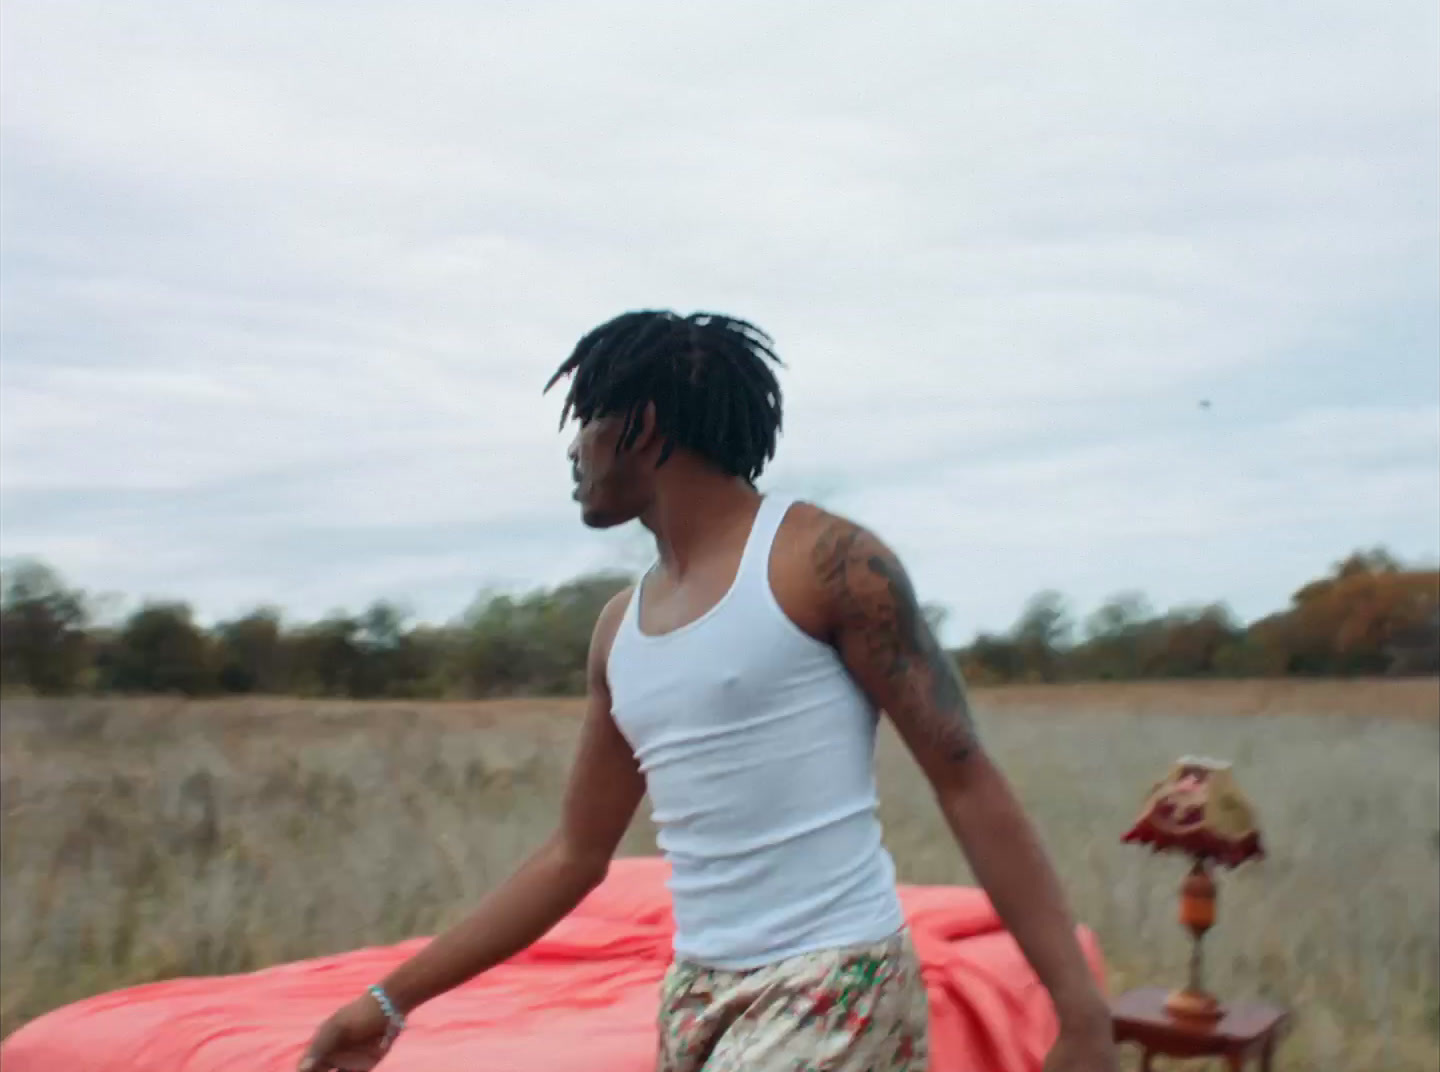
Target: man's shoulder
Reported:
point(607, 623)
point(616, 604)
point(818, 541)
point(815, 552)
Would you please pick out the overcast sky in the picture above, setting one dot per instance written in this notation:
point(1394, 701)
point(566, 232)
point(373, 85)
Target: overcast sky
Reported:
point(282, 283)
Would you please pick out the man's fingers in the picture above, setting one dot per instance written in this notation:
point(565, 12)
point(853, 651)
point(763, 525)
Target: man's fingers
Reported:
point(316, 1058)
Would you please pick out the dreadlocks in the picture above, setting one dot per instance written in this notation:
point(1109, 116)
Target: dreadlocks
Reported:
point(707, 375)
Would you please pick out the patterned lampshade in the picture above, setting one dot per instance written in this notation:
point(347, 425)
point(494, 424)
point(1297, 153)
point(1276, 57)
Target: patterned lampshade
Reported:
point(1198, 810)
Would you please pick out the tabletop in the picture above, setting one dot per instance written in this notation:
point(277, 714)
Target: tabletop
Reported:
point(1246, 1027)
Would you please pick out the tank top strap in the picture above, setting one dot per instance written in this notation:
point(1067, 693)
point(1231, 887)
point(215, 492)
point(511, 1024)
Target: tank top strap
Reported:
point(755, 561)
point(630, 619)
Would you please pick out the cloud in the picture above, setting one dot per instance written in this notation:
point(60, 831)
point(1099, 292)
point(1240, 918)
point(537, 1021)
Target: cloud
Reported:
point(282, 283)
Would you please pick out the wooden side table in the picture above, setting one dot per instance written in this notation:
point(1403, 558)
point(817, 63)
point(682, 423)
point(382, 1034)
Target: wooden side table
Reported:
point(1248, 1030)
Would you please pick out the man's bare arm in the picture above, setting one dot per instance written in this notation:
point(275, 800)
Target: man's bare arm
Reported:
point(604, 790)
point(889, 648)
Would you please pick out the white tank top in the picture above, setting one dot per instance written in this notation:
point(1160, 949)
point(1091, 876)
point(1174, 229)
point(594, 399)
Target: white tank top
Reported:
point(758, 754)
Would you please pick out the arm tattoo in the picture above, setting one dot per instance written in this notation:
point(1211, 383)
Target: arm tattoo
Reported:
point(880, 613)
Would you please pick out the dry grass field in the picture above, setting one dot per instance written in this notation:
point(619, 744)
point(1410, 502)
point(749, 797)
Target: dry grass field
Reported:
point(143, 840)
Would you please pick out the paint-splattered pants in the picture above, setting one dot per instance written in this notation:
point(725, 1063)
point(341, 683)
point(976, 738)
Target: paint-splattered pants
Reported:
point(858, 1009)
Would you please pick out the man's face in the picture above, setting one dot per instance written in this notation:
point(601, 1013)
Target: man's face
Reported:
point(611, 488)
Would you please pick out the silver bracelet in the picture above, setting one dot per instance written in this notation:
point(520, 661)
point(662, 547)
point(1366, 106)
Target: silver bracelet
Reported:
point(395, 1022)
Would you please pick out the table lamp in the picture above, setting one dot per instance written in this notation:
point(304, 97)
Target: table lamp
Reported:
point(1199, 811)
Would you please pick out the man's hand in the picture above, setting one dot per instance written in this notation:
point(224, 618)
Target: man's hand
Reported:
point(350, 1041)
point(1088, 1048)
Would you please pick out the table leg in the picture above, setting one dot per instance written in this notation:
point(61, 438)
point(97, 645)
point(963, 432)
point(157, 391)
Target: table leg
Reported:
point(1147, 1063)
point(1267, 1054)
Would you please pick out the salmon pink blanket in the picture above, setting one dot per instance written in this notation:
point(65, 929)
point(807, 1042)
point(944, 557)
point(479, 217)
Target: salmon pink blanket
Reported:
point(582, 999)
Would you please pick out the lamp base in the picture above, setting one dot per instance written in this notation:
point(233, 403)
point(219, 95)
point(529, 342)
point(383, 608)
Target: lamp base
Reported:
point(1194, 1007)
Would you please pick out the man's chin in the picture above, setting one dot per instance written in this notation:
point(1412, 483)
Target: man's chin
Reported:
point(596, 513)
point(598, 519)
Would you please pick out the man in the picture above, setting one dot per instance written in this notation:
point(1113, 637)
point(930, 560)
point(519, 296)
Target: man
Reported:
point(739, 683)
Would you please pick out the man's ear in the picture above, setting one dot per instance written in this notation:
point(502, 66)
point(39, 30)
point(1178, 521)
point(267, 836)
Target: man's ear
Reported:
point(646, 438)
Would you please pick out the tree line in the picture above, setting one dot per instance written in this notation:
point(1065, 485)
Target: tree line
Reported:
point(1370, 615)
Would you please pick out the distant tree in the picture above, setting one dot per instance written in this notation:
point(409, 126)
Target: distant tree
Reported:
point(1113, 636)
point(161, 650)
point(1188, 642)
point(435, 653)
point(1241, 657)
point(43, 643)
point(992, 660)
point(251, 653)
point(1351, 621)
point(536, 642)
point(1375, 560)
point(326, 656)
point(567, 619)
point(1042, 635)
point(1122, 615)
point(1045, 622)
point(498, 656)
point(389, 661)
point(1414, 648)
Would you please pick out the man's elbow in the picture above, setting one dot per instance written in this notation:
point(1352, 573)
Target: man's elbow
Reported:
point(578, 866)
point(962, 785)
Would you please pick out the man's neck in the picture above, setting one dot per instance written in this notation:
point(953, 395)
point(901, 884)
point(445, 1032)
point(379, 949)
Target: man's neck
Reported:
point(694, 510)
